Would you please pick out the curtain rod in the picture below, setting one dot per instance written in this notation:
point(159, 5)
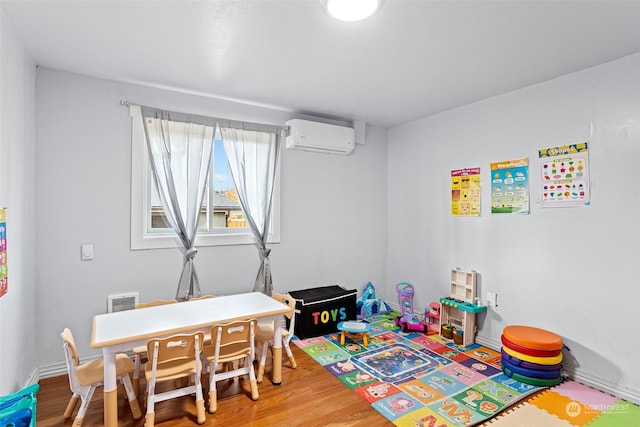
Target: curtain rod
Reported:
point(278, 127)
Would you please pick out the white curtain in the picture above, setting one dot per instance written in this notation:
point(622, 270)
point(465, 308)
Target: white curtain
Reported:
point(180, 149)
point(253, 151)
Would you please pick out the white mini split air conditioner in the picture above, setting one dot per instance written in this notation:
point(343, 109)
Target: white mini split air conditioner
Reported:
point(320, 137)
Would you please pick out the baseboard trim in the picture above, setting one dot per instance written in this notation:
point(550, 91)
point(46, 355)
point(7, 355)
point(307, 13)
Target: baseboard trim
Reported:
point(33, 378)
point(614, 389)
point(488, 342)
point(53, 370)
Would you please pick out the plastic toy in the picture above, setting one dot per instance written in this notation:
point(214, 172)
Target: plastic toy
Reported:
point(354, 328)
point(459, 309)
point(369, 304)
point(432, 317)
point(408, 321)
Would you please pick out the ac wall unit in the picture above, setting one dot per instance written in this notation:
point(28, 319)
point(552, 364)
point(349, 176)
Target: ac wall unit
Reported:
point(122, 302)
point(320, 137)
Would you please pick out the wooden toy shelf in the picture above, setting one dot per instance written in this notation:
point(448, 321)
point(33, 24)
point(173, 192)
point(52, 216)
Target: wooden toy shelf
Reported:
point(459, 309)
point(463, 285)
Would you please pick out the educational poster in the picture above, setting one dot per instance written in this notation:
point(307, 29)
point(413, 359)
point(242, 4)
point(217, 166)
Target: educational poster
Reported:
point(564, 172)
point(465, 192)
point(4, 280)
point(510, 186)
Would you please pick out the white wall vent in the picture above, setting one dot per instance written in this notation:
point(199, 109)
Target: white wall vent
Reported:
point(320, 137)
point(122, 302)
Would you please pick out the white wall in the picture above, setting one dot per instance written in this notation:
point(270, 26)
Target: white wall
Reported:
point(333, 210)
point(569, 270)
point(17, 194)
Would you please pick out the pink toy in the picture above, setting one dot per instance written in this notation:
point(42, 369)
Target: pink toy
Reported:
point(432, 317)
point(408, 321)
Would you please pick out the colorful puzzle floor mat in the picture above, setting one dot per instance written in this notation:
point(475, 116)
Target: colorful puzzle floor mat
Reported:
point(570, 404)
point(414, 379)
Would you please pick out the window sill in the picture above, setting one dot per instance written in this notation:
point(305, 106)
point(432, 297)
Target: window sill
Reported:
point(164, 242)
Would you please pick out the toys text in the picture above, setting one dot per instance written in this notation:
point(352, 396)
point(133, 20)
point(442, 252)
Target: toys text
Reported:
point(329, 315)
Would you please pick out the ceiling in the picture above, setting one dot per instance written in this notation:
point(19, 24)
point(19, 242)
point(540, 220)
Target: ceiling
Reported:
point(412, 59)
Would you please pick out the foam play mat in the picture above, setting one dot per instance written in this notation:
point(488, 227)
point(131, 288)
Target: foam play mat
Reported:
point(414, 379)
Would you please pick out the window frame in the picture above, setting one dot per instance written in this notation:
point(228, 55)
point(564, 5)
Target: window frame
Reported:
point(141, 172)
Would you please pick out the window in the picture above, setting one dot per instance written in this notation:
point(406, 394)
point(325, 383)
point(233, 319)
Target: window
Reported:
point(221, 220)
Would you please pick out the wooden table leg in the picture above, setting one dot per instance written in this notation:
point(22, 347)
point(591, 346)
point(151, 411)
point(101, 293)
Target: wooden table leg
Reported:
point(277, 365)
point(276, 350)
point(111, 408)
point(110, 390)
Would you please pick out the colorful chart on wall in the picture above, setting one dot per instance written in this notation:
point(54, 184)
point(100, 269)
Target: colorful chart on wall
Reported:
point(4, 280)
point(465, 192)
point(510, 186)
point(564, 172)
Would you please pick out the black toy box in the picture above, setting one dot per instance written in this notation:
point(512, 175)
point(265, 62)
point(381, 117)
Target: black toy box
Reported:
point(319, 310)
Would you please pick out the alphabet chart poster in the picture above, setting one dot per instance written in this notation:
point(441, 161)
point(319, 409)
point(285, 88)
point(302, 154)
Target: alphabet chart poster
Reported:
point(510, 186)
point(3, 253)
point(465, 192)
point(564, 172)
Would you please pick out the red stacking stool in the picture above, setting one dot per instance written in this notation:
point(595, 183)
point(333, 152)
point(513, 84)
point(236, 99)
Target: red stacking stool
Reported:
point(532, 355)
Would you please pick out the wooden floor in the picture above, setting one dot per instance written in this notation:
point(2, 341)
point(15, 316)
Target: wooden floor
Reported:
point(309, 395)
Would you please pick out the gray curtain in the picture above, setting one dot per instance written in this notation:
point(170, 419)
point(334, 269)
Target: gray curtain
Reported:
point(180, 149)
point(253, 151)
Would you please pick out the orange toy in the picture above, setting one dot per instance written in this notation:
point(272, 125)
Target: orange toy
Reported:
point(528, 350)
point(533, 338)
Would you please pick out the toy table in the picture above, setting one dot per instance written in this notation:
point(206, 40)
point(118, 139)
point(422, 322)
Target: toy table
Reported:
point(351, 327)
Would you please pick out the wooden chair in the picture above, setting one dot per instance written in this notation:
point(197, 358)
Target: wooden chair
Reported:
point(232, 344)
point(85, 378)
point(264, 335)
point(140, 352)
point(174, 358)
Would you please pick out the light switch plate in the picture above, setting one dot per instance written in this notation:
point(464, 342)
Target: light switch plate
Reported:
point(86, 251)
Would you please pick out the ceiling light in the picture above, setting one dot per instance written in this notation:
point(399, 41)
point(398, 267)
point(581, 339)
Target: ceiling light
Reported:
point(351, 10)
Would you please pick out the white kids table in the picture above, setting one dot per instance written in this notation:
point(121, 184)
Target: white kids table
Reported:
point(124, 330)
